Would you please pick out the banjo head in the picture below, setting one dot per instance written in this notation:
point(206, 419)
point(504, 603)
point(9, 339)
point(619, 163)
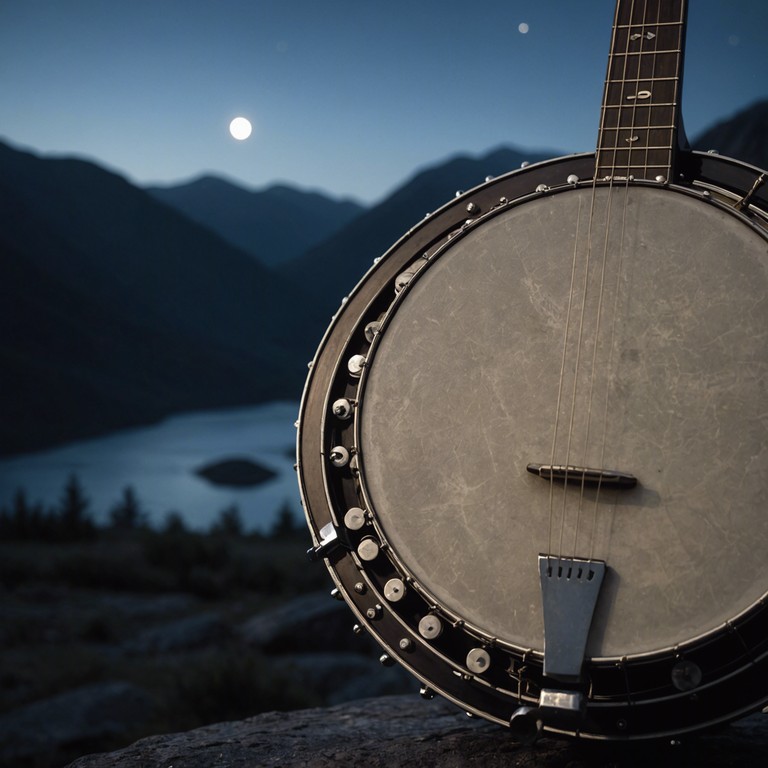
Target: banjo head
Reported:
point(662, 376)
point(579, 325)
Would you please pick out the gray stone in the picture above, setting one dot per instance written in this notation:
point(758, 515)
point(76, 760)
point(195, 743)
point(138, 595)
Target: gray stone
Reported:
point(73, 718)
point(314, 618)
point(199, 631)
point(143, 606)
point(340, 677)
point(406, 731)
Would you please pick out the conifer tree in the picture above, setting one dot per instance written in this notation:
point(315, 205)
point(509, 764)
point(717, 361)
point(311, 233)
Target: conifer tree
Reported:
point(127, 514)
point(74, 517)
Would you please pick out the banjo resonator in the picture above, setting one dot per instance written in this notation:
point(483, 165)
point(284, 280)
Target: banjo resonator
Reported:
point(593, 311)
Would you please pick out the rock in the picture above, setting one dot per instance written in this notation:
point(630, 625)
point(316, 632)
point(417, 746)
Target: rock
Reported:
point(236, 473)
point(314, 619)
point(199, 631)
point(141, 606)
point(407, 731)
point(72, 719)
point(340, 677)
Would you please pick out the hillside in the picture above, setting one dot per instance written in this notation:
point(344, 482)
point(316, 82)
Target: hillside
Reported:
point(334, 267)
point(273, 225)
point(743, 136)
point(116, 310)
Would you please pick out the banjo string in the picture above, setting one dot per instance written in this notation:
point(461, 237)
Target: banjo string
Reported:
point(574, 262)
point(598, 323)
point(590, 397)
point(611, 346)
point(619, 271)
point(579, 347)
point(617, 289)
point(579, 341)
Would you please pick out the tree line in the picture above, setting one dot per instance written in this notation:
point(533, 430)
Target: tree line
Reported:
point(72, 519)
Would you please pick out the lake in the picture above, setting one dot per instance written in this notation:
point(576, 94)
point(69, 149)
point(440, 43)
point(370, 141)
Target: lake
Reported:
point(159, 463)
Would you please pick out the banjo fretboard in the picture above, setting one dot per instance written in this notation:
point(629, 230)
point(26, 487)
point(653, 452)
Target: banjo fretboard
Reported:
point(641, 101)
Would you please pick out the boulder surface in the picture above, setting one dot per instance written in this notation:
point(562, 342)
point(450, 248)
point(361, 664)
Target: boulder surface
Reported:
point(407, 731)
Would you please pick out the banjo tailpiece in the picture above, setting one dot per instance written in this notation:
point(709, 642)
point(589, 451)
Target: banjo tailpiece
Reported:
point(569, 591)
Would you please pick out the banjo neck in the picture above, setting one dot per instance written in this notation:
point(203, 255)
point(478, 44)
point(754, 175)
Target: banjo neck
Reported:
point(640, 126)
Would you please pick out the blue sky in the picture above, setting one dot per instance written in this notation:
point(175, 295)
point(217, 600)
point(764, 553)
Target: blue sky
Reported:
point(345, 97)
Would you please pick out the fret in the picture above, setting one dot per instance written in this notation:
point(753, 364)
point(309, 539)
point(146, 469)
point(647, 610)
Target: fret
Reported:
point(639, 117)
point(675, 51)
point(647, 138)
point(629, 129)
point(627, 106)
point(639, 114)
point(637, 156)
point(643, 148)
point(637, 167)
point(635, 14)
point(616, 90)
point(612, 168)
point(631, 141)
point(648, 24)
point(641, 79)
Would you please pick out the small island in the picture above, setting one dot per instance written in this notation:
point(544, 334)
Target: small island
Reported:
point(236, 473)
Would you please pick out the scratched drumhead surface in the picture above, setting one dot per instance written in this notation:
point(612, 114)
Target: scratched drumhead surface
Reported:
point(662, 375)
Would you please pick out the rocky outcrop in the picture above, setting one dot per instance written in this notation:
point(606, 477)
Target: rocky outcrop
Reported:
point(310, 639)
point(76, 719)
point(406, 731)
point(312, 621)
point(304, 644)
point(192, 632)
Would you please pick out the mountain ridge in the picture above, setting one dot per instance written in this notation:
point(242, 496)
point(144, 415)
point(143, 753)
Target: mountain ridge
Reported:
point(116, 309)
point(259, 222)
point(352, 250)
point(742, 136)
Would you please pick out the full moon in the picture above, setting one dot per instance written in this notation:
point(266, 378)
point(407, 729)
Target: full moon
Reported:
point(240, 128)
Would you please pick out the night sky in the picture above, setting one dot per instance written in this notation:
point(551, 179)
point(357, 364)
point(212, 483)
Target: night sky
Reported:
point(346, 97)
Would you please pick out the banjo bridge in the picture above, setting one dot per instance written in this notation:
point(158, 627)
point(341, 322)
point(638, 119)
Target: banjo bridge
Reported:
point(574, 475)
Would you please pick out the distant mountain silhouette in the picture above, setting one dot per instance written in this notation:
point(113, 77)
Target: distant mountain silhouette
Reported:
point(335, 266)
point(117, 310)
point(274, 225)
point(743, 136)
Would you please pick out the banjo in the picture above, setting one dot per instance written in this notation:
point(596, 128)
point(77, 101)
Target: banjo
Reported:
point(533, 443)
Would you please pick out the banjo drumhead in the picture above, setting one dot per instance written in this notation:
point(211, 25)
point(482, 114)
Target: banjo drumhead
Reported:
point(662, 375)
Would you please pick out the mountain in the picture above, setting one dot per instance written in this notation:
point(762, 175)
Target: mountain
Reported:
point(263, 223)
point(350, 252)
point(332, 268)
point(117, 310)
point(743, 136)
